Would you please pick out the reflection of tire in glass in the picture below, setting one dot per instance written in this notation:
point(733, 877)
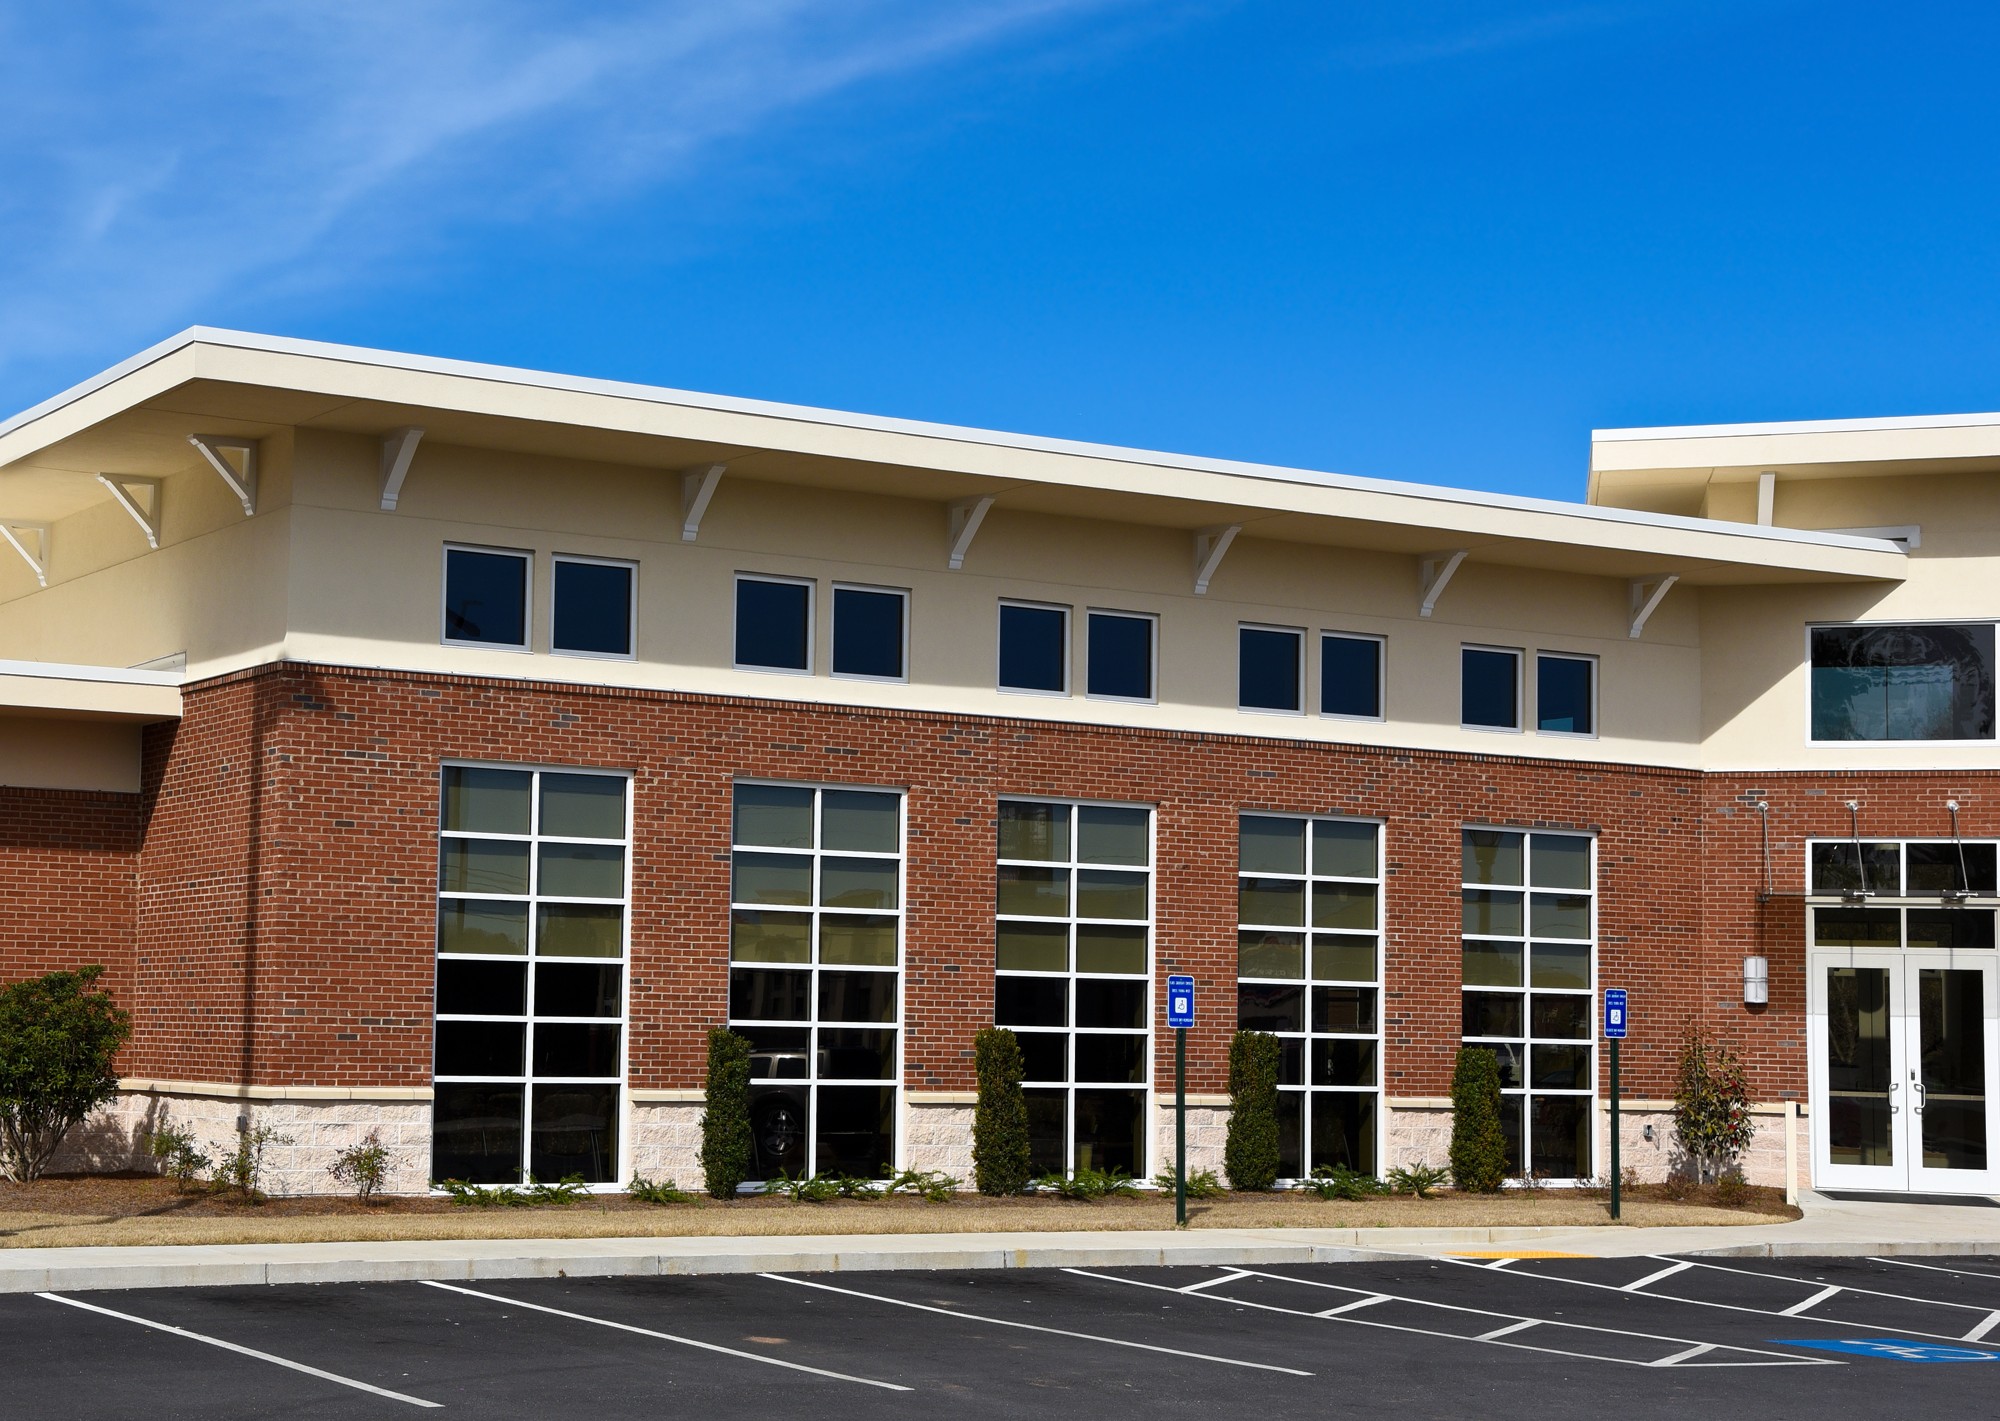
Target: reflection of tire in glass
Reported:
point(779, 1127)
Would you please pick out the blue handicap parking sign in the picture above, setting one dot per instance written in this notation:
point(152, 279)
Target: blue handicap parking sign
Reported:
point(1180, 1001)
point(1614, 1012)
point(1896, 1349)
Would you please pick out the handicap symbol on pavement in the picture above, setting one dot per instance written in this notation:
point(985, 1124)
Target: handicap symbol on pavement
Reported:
point(1896, 1349)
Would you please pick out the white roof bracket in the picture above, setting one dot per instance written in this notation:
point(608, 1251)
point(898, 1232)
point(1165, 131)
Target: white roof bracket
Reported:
point(1646, 595)
point(399, 447)
point(697, 488)
point(962, 520)
point(241, 476)
point(1434, 574)
point(38, 560)
point(139, 497)
point(1209, 546)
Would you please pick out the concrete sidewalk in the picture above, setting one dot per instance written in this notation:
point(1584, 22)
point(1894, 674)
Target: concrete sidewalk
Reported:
point(1830, 1228)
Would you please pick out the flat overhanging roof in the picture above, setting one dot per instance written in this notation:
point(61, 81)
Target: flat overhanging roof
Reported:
point(135, 418)
point(50, 690)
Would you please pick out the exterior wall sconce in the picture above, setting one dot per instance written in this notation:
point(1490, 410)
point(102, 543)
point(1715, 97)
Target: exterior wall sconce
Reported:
point(1756, 981)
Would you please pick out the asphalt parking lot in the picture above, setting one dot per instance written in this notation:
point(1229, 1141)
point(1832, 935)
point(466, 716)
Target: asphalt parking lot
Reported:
point(1475, 1337)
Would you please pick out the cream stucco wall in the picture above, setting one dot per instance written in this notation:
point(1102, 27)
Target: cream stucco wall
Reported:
point(37, 753)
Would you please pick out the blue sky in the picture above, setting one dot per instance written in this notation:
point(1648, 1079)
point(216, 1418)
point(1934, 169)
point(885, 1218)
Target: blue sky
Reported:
point(1433, 241)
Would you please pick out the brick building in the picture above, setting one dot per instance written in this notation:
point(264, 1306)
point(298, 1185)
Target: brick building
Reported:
point(442, 749)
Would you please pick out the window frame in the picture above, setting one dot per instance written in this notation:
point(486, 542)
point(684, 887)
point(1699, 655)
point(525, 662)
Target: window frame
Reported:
point(811, 586)
point(1068, 647)
point(1152, 654)
point(1299, 669)
point(1381, 676)
point(1590, 660)
point(1811, 627)
point(833, 632)
point(1520, 656)
point(526, 556)
point(631, 565)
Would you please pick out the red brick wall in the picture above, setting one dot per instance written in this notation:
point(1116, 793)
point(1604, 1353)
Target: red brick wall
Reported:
point(68, 879)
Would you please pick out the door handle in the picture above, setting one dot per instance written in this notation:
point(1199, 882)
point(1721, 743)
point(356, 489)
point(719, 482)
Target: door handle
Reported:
point(1923, 1098)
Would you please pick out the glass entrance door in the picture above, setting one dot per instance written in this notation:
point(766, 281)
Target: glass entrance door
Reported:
point(1905, 1071)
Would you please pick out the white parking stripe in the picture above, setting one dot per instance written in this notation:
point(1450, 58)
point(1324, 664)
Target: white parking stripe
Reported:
point(1035, 1327)
point(1992, 1321)
point(243, 1351)
point(1211, 1282)
point(1367, 1302)
point(668, 1337)
point(1652, 1278)
point(1694, 1351)
point(1511, 1327)
point(1938, 1268)
point(1812, 1302)
point(1848, 1288)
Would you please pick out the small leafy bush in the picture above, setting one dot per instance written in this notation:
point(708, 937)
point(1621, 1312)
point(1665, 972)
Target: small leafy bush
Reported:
point(1418, 1179)
point(804, 1188)
point(726, 1140)
point(1478, 1145)
point(58, 1035)
point(1250, 1153)
point(1337, 1181)
point(566, 1190)
point(1201, 1183)
point(1089, 1184)
point(931, 1185)
point(1731, 1190)
point(362, 1167)
point(1001, 1163)
point(484, 1196)
point(663, 1191)
point(180, 1159)
point(1712, 1121)
point(242, 1169)
point(848, 1186)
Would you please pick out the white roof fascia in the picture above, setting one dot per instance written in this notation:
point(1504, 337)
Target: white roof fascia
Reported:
point(806, 414)
point(1804, 426)
point(108, 675)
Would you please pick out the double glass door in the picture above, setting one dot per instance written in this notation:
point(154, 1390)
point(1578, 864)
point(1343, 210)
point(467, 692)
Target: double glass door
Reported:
point(1904, 1062)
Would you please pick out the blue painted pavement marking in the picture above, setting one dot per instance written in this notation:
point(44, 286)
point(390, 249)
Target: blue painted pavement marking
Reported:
point(1896, 1349)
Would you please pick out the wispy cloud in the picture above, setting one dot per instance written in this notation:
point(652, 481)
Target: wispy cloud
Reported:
point(154, 156)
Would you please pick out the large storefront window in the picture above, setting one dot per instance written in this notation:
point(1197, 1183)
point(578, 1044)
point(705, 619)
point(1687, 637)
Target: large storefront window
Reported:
point(815, 941)
point(1922, 681)
point(1073, 957)
point(531, 944)
point(1529, 971)
point(1308, 954)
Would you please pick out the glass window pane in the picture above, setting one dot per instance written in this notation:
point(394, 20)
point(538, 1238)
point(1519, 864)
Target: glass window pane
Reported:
point(1561, 1018)
point(1490, 685)
point(784, 879)
point(1350, 676)
point(1033, 648)
point(1268, 844)
point(583, 806)
point(482, 866)
point(1119, 657)
point(1857, 927)
point(1344, 1010)
point(1492, 1014)
point(1031, 947)
point(1968, 928)
point(1944, 868)
point(1343, 905)
point(1102, 893)
point(774, 817)
point(1110, 1130)
point(1343, 848)
point(1561, 1132)
point(857, 940)
point(1270, 955)
point(1034, 831)
point(1101, 948)
point(1278, 901)
point(1560, 964)
point(858, 883)
point(1493, 856)
point(1560, 1067)
point(1110, 1004)
point(486, 597)
point(770, 937)
point(860, 822)
point(593, 608)
point(482, 988)
point(1109, 835)
point(1508, 1057)
point(1267, 669)
point(471, 926)
point(581, 871)
point(479, 1048)
point(1558, 915)
point(1048, 1130)
point(1343, 1129)
point(1291, 1134)
point(773, 624)
point(1340, 1062)
point(565, 1048)
point(1888, 682)
point(761, 994)
point(579, 930)
point(1559, 861)
point(1838, 868)
point(857, 996)
point(855, 1131)
point(780, 1122)
point(849, 1053)
point(1110, 1060)
point(575, 1131)
point(1343, 959)
point(476, 1133)
point(1044, 1055)
point(480, 801)
point(868, 633)
point(1488, 913)
point(1291, 1061)
point(1265, 1006)
point(1033, 892)
point(777, 1053)
point(579, 989)
point(1492, 964)
point(1563, 695)
point(1030, 1001)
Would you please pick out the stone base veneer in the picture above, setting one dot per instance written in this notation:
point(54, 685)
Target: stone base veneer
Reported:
point(1207, 1133)
point(937, 1132)
point(666, 1136)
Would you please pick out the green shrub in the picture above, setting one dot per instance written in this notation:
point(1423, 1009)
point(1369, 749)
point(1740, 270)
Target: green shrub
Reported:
point(725, 1123)
point(664, 1191)
point(180, 1159)
point(804, 1188)
point(1731, 1190)
point(58, 1035)
point(362, 1167)
point(1250, 1154)
point(1000, 1159)
point(1712, 1122)
point(1201, 1184)
point(483, 1196)
point(1478, 1146)
point(242, 1169)
point(932, 1185)
point(1337, 1181)
point(1418, 1179)
point(567, 1190)
point(1089, 1184)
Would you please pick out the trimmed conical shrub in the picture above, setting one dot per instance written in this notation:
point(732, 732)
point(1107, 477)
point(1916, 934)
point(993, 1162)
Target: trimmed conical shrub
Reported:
point(725, 1124)
point(1250, 1154)
point(1478, 1145)
point(1000, 1155)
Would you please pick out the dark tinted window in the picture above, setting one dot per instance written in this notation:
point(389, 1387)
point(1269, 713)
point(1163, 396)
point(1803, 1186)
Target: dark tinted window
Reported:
point(868, 633)
point(1032, 649)
point(486, 597)
point(1350, 676)
point(1490, 681)
point(1120, 656)
point(593, 608)
point(772, 623)
point(1267, 669)
point(1931, 682)
point(1563, 695)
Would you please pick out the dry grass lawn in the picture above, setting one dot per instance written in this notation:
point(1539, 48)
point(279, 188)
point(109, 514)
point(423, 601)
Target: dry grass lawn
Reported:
point(142, 1210)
